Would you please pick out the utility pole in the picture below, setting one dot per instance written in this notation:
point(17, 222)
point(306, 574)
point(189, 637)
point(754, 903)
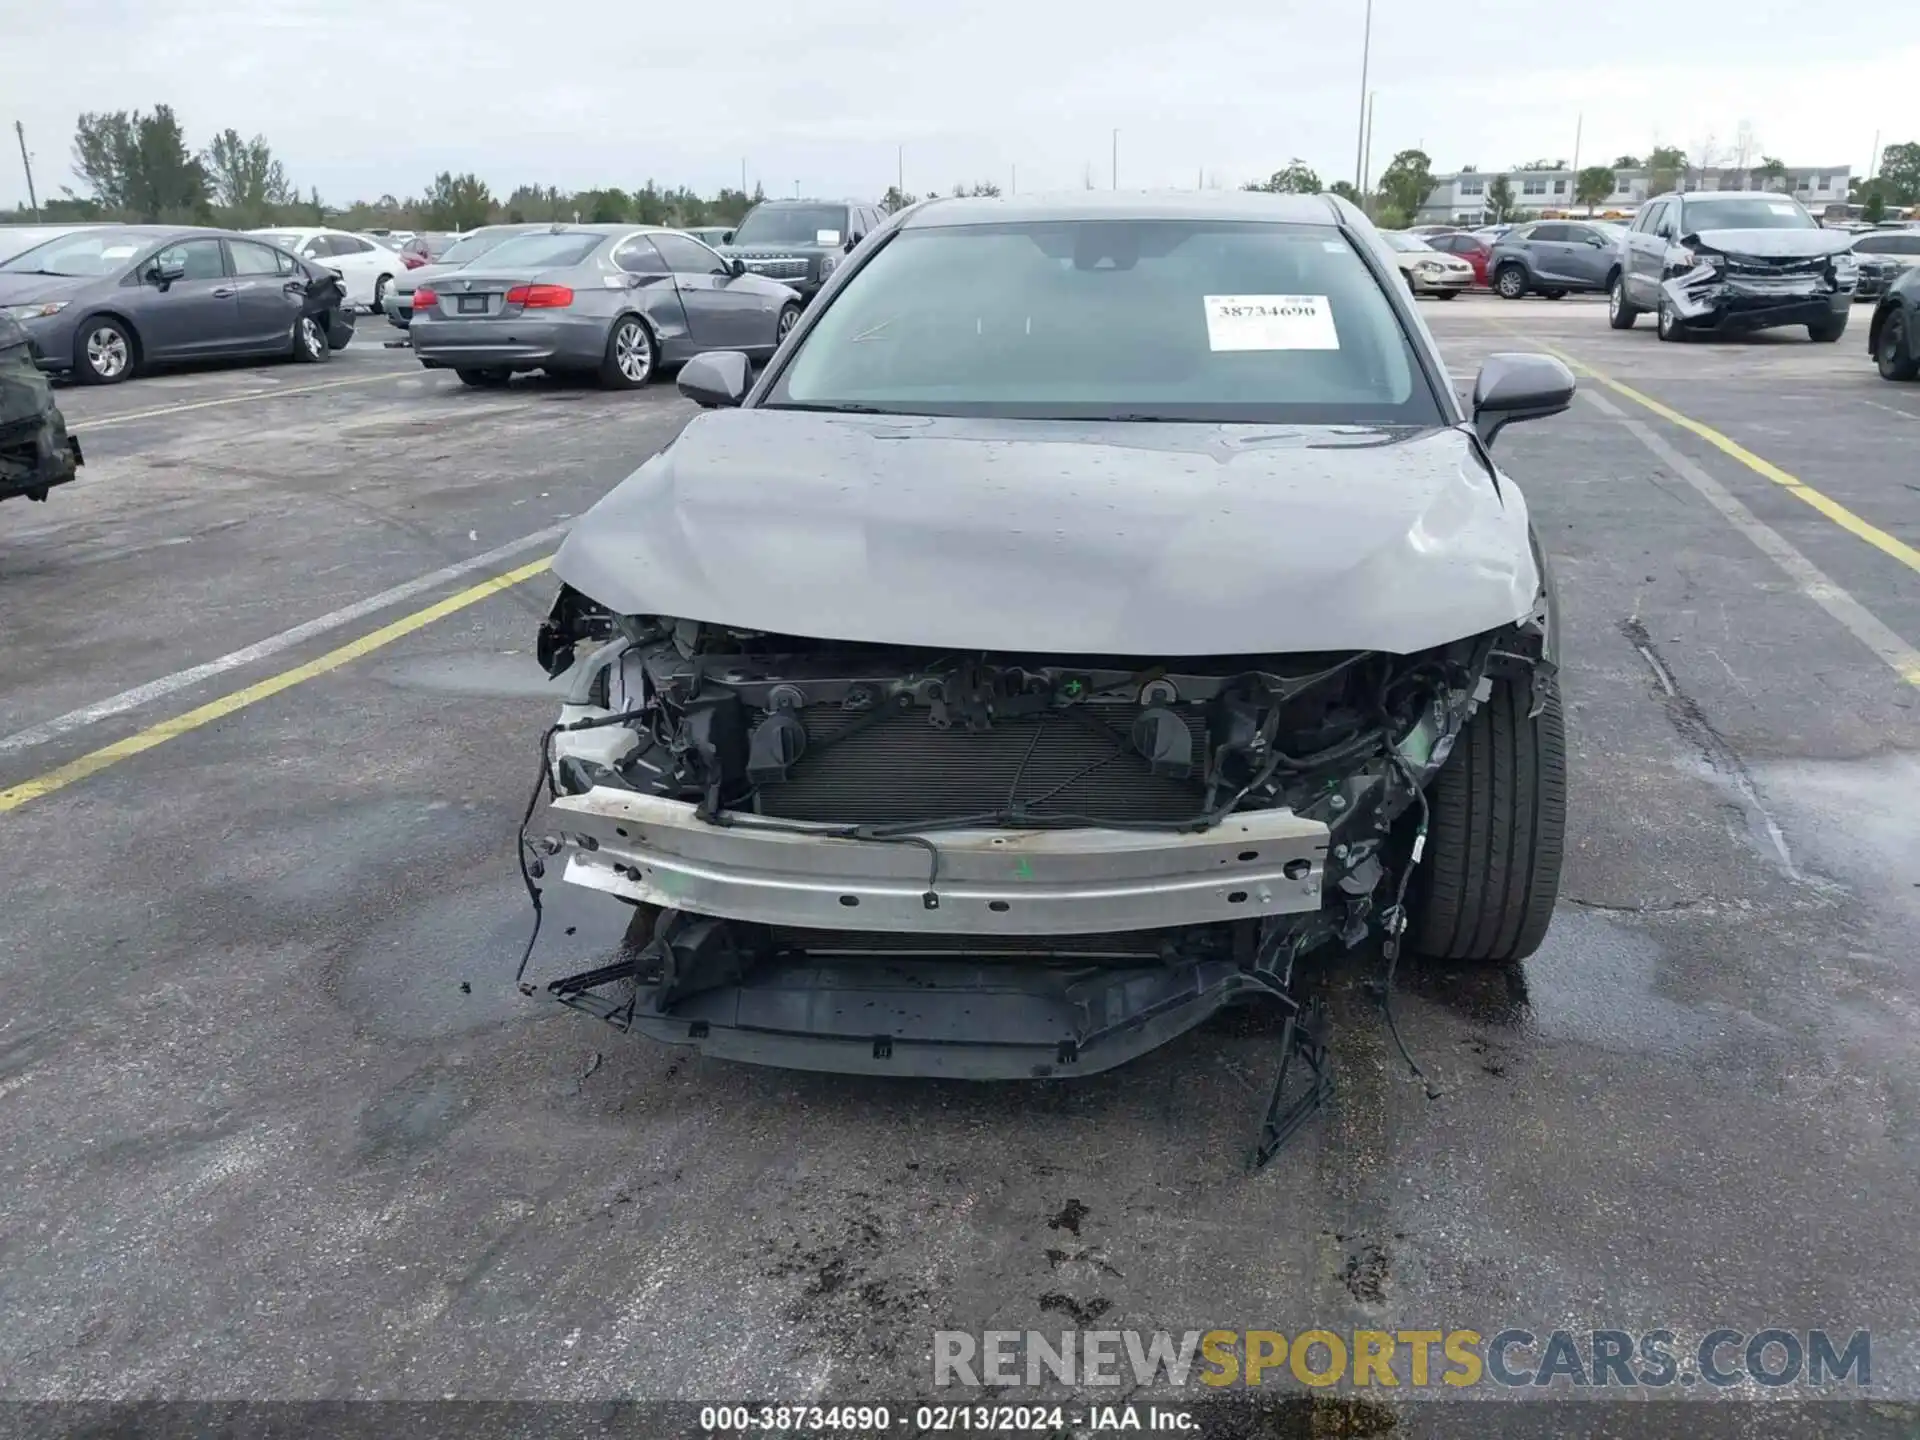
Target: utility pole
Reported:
point(743, 174)
point(33, 200)
point(1873, 161)
point(1013, 180)
point(1366, 150)
point(900, 173)
point(1360, 142)
point(1116, 160)
point(1579, 122)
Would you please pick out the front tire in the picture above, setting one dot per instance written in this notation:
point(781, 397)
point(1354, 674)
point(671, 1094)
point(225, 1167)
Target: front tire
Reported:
point(104, 353)
point(1893, 354)
point(1496, 833)
point(379, 306)
point(630, 357)
point(1667, 322)
point(1829, 330)
point(789, 317)
point(1621, 312)
point(1510, 282)
point(310, 345)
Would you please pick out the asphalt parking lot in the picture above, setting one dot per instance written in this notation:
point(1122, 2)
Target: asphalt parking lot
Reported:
point(276, 1123)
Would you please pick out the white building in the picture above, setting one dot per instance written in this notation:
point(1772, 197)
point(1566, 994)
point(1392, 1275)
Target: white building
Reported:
point(1462, 197)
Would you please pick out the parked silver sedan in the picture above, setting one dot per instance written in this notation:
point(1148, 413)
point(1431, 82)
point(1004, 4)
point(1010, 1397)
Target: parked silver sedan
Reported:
point(615, 301)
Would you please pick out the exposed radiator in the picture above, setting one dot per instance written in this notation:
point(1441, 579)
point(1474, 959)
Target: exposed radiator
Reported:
point(901, 769)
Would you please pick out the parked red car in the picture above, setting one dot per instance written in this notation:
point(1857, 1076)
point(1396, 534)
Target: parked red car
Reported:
point(1469, 248)
point(425, 248)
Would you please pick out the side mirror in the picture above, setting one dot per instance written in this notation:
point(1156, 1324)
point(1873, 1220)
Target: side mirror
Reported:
point(727, 239)
point(718, 379)
point(1518, 387)
point(736, 268)
point(852, 240)
point(165, 275)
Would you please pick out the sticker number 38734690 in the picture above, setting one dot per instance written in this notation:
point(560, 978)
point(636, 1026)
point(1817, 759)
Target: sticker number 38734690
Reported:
point(1270, 322)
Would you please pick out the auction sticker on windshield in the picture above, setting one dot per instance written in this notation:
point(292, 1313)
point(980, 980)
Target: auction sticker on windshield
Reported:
point(1270, 322)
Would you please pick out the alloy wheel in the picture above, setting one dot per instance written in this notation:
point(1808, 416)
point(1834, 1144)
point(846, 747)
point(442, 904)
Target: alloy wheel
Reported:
point(1511, 285)
point(107, 353)
point(788, 319)
point(633, 352)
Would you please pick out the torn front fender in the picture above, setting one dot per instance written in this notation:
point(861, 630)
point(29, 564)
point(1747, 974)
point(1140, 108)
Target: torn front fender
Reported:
point(1697, 293)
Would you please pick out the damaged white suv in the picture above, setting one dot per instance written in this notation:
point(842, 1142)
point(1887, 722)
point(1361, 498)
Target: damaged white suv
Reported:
point(1095, 605)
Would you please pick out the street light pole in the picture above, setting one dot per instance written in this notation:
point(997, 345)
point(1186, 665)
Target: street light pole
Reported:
point(1360, 142)
point(33, 200)
point(1116, 160)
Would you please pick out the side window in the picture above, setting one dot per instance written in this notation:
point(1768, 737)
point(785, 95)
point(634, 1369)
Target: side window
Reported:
point(687, 256)
point(1903, 245)
point(1667, 223)
point(1561, 233)
point(638, 257)
point(252, 259)
point(1873, 245)
point(316, 248)
point(1584, 235)
point(200, 258)
point(350, 245)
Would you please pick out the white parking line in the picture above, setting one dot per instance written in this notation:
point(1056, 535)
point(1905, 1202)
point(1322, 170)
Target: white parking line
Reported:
point(1892, 410)
point(167, 684)
point(80, 424)
point(1862, 623)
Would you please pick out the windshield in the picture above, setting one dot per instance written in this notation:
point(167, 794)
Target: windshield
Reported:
point(1745, 212)
point(1402, 241)
point(544, 251)
point(1200, 320)
point(472, 247)
point(90, 252)
point(793, 225)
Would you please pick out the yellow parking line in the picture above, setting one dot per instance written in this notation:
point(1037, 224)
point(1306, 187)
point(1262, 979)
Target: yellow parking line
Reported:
point(95, 761)
point(1766, 469)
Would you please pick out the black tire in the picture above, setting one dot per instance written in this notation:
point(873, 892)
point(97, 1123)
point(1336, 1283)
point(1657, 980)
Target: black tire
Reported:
point(789, 317)
point(1510, 282)
point(1445, 294)
point(309, 340)
point(631, 356)
point(1667, 323)
point(1621, 312)
point(484, 379)
point(104, 352)
point(1828, 331)
point(1496, 834)
point(1894, 354)
point(379, 306)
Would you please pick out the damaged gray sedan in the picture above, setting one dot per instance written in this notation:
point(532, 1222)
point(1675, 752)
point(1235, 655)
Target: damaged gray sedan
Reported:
point(1097, 605)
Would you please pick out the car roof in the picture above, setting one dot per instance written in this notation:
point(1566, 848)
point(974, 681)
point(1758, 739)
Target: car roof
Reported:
point(1123, 205)
point(1722, 195)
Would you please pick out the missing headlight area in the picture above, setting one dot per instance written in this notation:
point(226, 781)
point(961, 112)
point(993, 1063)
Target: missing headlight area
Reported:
point(864, 857)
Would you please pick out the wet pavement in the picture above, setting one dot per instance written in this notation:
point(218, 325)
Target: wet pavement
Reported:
point(274, 1122)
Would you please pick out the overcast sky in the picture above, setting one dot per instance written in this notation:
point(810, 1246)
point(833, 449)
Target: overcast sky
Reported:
point(360, 97)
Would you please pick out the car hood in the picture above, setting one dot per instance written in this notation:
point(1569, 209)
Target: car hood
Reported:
point(1062, 536)
point(1774, 244)
point(17, 289)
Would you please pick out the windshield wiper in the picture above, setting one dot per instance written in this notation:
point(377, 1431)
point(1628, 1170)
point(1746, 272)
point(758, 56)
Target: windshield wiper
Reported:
point(838, 408)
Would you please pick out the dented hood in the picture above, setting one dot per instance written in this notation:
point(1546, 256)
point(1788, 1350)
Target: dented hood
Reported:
point(1062, 536)
point(1774, 244)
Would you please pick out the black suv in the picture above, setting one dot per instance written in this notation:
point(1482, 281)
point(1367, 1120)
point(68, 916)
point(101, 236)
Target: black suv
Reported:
point(798, 242)
point(36, 453)
point(1733, 260)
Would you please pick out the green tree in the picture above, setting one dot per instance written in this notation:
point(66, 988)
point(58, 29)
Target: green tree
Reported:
point(1542, 165)
point(1592, 185)
point(1500, 198)
point(1344, 189)
point(979, 187)
point(1626, 162)
point(1769, 174)
point(246, 181)
point(1405, 182)
point(138, 165)
point(1875, 210)
point(1900, 173)
point(1669, 165)
point(896, 199)
point(1297, 178)
point(457, 202)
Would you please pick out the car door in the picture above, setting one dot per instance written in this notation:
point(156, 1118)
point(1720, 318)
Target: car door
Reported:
point(195, 315)
point(270, 292)
point(1646, 255)
point(1589, 256)
point(1550, 247)
point(724, 312)
point(652, 292)
point(358, 262)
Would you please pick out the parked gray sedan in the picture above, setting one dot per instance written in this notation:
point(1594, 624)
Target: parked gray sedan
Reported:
point(616, 301)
